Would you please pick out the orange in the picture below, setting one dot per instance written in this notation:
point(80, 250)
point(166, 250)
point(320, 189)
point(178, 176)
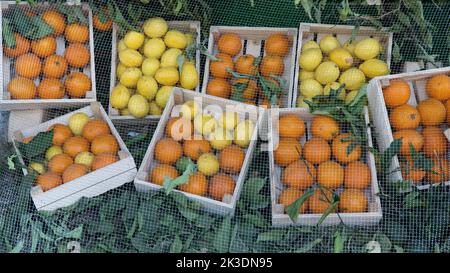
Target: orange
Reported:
point(21, 88)
point(409, 137)
point(219, 68)
point(289, 196)
point(61, 133)
point(277, 44)
point(160, 172)
point(55, 66)
point(197, 184)
point(324, 127)
point(28, 66)
point(168, 151)
point(194, 148)
point(44, 47)
point(73, 172)
point(291, 125)
point(218, 87)
point(56, 20)
point(440, 171)
point(245, 64)
point(250, 88)
point(435, 142)
point(409, 173)
point(330, 174)
point(102, 26)
point(77, 84)
point(105, 143)
point(405, 117)
point(299, 175)
point(271, 66)
point(397, 93)
point(288, 151)
point(357, 175)
point(320, 201)
point(353, 201)
point(103, 160)
point(438, 87)
point(77, 55)
point(75, 145)
point(51, 89)
point(76, 33)
point(231, 159)
point(230, 44)
point(220, 185)
point(447, 106)
point(22, 46)
point(48, 181)
point(432, 112)
point(59, 163)
point(316, 150)
point(179, 128)
point(340, 149)
point(94, 128)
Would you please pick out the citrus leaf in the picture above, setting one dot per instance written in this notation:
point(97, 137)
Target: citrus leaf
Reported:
point(170, 184)
point(292, 209)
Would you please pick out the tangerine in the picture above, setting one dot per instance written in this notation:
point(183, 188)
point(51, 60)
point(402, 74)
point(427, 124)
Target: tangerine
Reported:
point(76, 33)
point(22, 46)
point(291, 126)
point(73, 172)
point(316, 150)
point(231, 159)
point(357, 175)
point(179, 128)
point(432, 112)
point(55, 66)
point(319, 202)
point(28, 66)
point(48, 181)
point(221, 67)
point(160, 172)
point(219, 87)
point(324, 127)
point(59, 163)
point(220, 185)
point(21, 88)
point(77, 84)
point(288, 151)
point(168, 151)
point(341, 152)
point(194, 148)
point(103, 160)
point(271, 66)
point(77, 55)
point(61, 133)
point(55, 20)
point(44, 47)
point(330, 174)
point(299, 175)
point(94, 128)
point(397, 93)
point(405, 117)
point(289, 196)
point(105, 143)
point(102, 26)
point(409, 137)
point(438, 87)
point(229, 43)
point(277, 44)
point(197, 184)
point(434, 141)
point(75, 145)
point(353, 201)
point(245, 64)
point(50, 88)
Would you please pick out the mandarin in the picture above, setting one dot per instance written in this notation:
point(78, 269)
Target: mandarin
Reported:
point(231, 159)
point(103, 160)
point(55, 66)
point(405, 117)
point(245, 64)
point(59, 163)
point(77, 55)
point(330, 174)
point(73, 172)
point(94, 128)
point(220, 185)
point(340, 148)
point(229, 43)
point(48, 181)
point(438, 87)
point(61, 133)
point(289, 196)
point(28, 66)
point(75, 145)
point(105, 143)
point(271, 66)
point(50, 88)
point(277, 44)
point(288, 151)
point(434, 141)
point(55, 20)
point(319, 202)
point(22, 46)
point(249, 87)
point(221, 67)
point(21, 88)
point(440, 171)
point(219, 87)
point(168, 151)
point(409, 137)
point(194, 148)
point(291, 126)
point(397, 93)
point(76, 33)
point(410, 173)
point(316, 150)
point(299, 175)
point(44, 47)
point(197, 184)
point(353, 201)
point(357, 175)
point(77, 84)
point(324, 127)
point(179, 128)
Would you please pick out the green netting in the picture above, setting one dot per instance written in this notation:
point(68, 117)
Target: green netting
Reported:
point(124, 220)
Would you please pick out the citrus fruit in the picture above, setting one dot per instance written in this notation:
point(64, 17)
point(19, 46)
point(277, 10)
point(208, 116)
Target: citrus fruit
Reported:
point(28, 66)
point(147, 87)
point(299, 175)
point(410, 173)
point(59, 163)
point(353, 201)
point(220, 138)
point(121, 45)
point(161, 172)
point(131, 57)
point(76, 33)
point(231, 159)
point(319, 202)
point(271, 66)
point(330, 174)
point(397, 93)
point(340, 148)
point(409, 137)
point(328, 43)
point(77, 84)
point(163, 95)
point(434, 141)
point(77, 55)
point(310, 44)
point(170, 57)
point(218, 87)
point(73, 172)
point(316, 150)
point(438, 87)
point(291, 126)
point(374, 68)
point(287, 151)
point(208, 164)
point(105, 143)
point(167, 76)
point(134, 39)
point(138, 106)
point(440, 171)
point(175, 39)
point(310, 59)
point(197, 184)
point(179, 128)
point(21, 88)
point(447, 106)
point(310, 88)
point(22, 46)
point(189, 77)
point(168, 151)
point(102, 24)
point(305, 75)
point(341, 57)
point(103, 160)
point(155, 27)
point(404, 117)
point(219, 68)
point(50, 88)
point(150, 66)
point(350, 46)
point(204, 124)
point(245, 64)
point(243, 133)
point(229, 120)
point(432, 112)
point(37, 167)
point(326, 72)
point(77, 122)
point(120, 95)
point(44, 47)
point(220, 185)
point(75, 145)
point(55, 66)
point(189, 109)
point(324, 127)
point(60, 134)
point(357, 175)
point(94, 128)
point(277, 44)
point(120, 69)
point(154, 48)
point(130, 77)
point(301, 102)
point(48, 181)
point(85, 158)
point(52, 151)
point(334, 86)
point(194, 148)
point(229, 43)
point(368, 48)
point(55, 20)
point(154, 109)
point(353, 78)
point(289, 196)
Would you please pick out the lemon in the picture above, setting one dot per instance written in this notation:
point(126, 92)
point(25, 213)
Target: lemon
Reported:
point(120, 96)
point(36, 166)
point(189, 38)
point(147, 87)
point(189, 76)
point(229, 120)
point(335, 86)
point(134, 39)
point(120, 69)
point(310, 88)
point(163, 96)
point(138, 106)
point(167, 76)
point(52, 151)
point(121, 45)
point(77, 122)
point(350, 46)
point(328, 43)
point(204, 124)
point(125, 112)
point(310, 59)
point(85, 158)
point(243, 133)
point(130, 58)
point(310, 44)
point(150, 66)
point(374, 67)
point(341, 57)
point(175, 39)
point(170, 57)
point(350, 96)
point(155, 27)
point(368, 48)
point(208, 164)
point(353, 78)
point(301, 102)
point(189, 109)
point(130, 77)
point(326, 72)
point(220, 138)
point(154, 48)
point(304, 75)
point(154, 109)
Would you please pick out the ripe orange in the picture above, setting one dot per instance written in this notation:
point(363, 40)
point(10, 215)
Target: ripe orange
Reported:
point(59, 163)
point(277, 44)
point(197, 184)
point(320, 201)
point(353, 201)
point(340, 149)
point(76, 33)
point(249, 92)
point(447, 106)
point(219, 68)
point(435, 142)
point(432, 112)
point(77, 84)
point(316, 150)
point(77, 55)
point(73, 172)
point(75, 145)
point(21, 88)
point(168, 151)
point(397, 93)
point(160, 172)
point(61, 133)
point(22, 47)
point(440, 171)
point(56, 20)
point(357, 175)
point(409, 137)
point(230, 44)
point(271, 65)
point(405, 117)
point(44, 47)
point(288, 151)
point(438, 87)
point(48, 181)
point(299, 175)
point(50, 88)
point(330, 174)
point(55, 66)
point(324, 127)
point(245, 64)
point(94, 128)
point(219, 87)
point(102, 26)
point(105, 143)
point(179, 128)
point(409, 173)
point(291, 126)
point(231, 159)
point(103, 160)
point(220, 185)
point(289, 196)
point(28, 66)
point(194, 148)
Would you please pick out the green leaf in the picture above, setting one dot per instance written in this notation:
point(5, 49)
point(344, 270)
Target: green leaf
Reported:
point(37, 146)
point(8, 35)
point(222, 236)
point(331, 208)
point(292, 209)
point(339, 241)
point(170, 184)
point(396, 53)
point(271, 236)
point(176, 246)
point(18, 248)
point(307, 6)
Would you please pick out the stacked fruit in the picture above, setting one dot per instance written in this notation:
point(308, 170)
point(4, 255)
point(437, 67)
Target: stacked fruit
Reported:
point(82, 146)
point(247, 87)
point(151, 63)
point(329, 66)
point(326, 159)
point(217, 145)
point(36, 61)
point(433, 114)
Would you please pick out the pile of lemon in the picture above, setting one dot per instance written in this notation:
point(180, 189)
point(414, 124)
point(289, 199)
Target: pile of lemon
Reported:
point(151, 63)
point(329, 65)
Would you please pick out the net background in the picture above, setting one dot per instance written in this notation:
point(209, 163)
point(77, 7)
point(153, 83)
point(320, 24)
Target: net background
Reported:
point(124, 220)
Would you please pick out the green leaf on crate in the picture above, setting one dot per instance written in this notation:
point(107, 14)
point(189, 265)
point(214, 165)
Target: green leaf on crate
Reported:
point(293, 209)
point(223, 236)
point(37, 146)
point(8, 35)
point(170, 184)
point(271, 236)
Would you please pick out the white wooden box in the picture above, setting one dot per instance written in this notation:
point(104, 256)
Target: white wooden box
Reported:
point(280, 218)
point(7, 67)
point(92, 184)
point(179, 96)
point(380, 116)
point(343, 33)
point(185, 26)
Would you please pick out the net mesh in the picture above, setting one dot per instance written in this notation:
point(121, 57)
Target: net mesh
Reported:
point(126, 220)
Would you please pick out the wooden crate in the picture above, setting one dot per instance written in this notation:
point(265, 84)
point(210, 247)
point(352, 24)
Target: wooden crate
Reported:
point(179, 96)
point(186, 26)
point(89, 185)
point(380, 116)
point(316, 32)
point(7, 67)
point(280, 218)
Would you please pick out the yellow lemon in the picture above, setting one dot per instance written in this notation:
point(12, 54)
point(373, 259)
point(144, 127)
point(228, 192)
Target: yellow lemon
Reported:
point(243, 133)
point(147, 87)
point(220, 138)
point(189, 38)
point(310, 44)
point(335, 86)
point(77, 122)
point(38, 167)
point(155, 27)
point(130, 77)
point(341, 57)
point(134, 39)
point(301, 102)
point(121, 45)
point(150, 66)
point(310, 59)
point(85, 158)
point(170, 57)
point(138, 106)
point(311, 88)
point(120, 69)
point(130, 58)
point(163, 96)
point(154, 109)
point(304, 75)
point(189, 76)
point(208, 164)
point(204, 124)
point(374, 67)
point(350, 96)
point(350, 46)
point(368, 48)
point(52, 151)
point(189, 109)
point(167, 76)
point(125, 112)
point(154, 48)
point(328, 43)
point(326, 72)
point(175, 39)
point(229, 120)
point(353, 78)
point(119, 97)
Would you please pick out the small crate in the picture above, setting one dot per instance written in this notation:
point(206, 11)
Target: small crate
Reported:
point(7, 66)
point(186, 26)
point(179, 96)
point(89, 185)
point(280, 218)
point(380, 116)
point(343, 33)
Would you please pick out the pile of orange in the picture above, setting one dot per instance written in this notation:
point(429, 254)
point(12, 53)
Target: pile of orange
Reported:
point(421, 127)
point(323, 159)
point(37, 61)
point(223, 84)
